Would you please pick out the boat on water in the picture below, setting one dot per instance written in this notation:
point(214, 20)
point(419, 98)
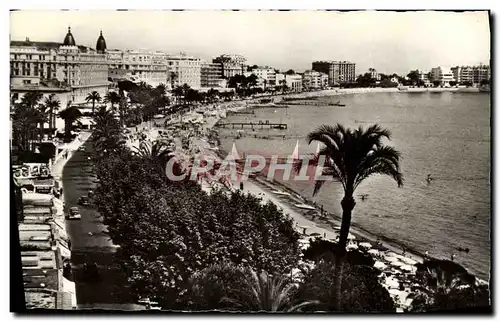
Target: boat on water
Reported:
point(338, 104)
point(485, 88)
point(279, 127)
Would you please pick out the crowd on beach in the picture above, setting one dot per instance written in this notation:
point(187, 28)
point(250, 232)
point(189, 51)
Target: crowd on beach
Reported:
point(397, 263)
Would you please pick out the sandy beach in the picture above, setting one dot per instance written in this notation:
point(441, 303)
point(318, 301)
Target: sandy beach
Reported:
point(395, 261)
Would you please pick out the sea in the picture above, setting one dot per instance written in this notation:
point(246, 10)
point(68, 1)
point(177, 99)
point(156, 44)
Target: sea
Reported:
point(444, 134)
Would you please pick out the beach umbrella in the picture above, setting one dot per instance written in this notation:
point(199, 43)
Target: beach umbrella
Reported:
point(365, 245)
point(409, 261)
point(408, 268)
point(379, 265)
point(391, 283)
point(398, 264)
point(352, 246)
point(351, 236)
point(374, 252)
point(391, 259)
point(396, 292)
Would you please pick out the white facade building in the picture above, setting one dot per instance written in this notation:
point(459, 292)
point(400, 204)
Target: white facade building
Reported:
point(185, 70)
point(314, 80)
point(442, 74)
point(138, 66)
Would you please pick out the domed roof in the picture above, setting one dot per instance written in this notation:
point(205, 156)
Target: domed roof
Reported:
point(101, 44)
point(69, 40)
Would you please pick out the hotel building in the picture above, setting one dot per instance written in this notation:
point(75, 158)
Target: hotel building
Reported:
point(314, 80)
point(338, 72)
point(374, 74)
point(68, 70)
point(231, 64)
point(442, 74)
point(266, 76)
point(184, 70)
point(138, 66)
point(211, 75)
point(472, 74)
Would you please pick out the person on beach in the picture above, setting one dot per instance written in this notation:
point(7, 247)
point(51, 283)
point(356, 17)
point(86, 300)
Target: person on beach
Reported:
point(241, 186)
point(404, 250)
point(453, 256)
point(426, 254)
point(429, 179)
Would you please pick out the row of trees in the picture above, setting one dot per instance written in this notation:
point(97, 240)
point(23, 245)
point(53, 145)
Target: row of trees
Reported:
point(169, 231)
point(30, 115)
point(190, 250)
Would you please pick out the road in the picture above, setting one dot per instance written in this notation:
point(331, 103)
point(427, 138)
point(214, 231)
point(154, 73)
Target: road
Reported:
point(110, 291)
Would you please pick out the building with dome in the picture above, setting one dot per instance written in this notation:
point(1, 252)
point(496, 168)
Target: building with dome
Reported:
point(100, 46)
point(69, 70)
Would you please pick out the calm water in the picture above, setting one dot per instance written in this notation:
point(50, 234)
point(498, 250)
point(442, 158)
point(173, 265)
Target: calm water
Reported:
point(446, 135)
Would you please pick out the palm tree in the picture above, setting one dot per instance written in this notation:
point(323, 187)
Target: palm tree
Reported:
point(94, 97)
point(69, 115)
point(283, 85)
point(107, 131)
point(443, 285)
point(178, 92)
point(113, 98)
point(173, 79)
point(53, 104)
point(24, 125)
point(43, 117)
point(31, 99)
point(266, 292)
point(351, 156)
point(161, 89)
point(157, 153)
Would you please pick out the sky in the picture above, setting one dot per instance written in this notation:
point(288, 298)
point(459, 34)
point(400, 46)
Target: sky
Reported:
point(387, 41)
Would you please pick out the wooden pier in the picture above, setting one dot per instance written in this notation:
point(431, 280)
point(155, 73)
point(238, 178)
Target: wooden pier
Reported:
point(253, 125)
point(240, 112)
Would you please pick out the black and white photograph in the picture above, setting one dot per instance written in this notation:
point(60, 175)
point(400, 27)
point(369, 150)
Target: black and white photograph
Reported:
point(244, 161)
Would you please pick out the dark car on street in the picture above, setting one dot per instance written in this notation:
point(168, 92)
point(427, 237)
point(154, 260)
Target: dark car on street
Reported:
point(74, 213)
point(84, 201)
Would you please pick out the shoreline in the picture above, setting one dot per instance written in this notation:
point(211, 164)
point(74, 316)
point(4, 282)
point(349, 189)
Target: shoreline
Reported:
point(394, 245)
point(266, 188)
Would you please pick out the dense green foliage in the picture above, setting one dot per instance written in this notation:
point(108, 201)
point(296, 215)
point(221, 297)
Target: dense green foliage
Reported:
point(229, 287)
point(361, 291)
point(168, 230)
point(443, 285)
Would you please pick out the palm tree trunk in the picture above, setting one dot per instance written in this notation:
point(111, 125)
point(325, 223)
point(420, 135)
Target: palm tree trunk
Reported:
point(338, 273)
point(348, 204)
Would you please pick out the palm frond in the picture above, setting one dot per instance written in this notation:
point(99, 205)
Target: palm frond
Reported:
point(384, 161)
point(296, 308)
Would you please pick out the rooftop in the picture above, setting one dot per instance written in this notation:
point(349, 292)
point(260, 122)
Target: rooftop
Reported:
point(38, 260)
point(43, 45)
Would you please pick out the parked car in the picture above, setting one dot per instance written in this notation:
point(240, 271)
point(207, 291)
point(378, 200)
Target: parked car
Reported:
point(91, 271)
point(74, 213)
point(84, 201)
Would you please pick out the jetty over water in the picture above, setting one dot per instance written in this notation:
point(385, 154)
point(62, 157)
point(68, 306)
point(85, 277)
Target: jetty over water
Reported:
point(253, 125)
point(311, 103)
